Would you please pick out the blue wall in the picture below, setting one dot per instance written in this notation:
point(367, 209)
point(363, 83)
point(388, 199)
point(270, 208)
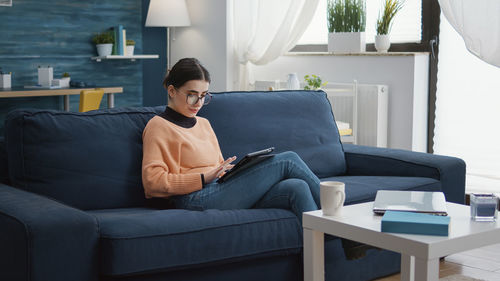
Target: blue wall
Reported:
point(154, 41)
point(58, 33)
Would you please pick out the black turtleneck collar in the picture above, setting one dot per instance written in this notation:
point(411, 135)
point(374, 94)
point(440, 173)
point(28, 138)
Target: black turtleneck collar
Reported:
point(177, 118)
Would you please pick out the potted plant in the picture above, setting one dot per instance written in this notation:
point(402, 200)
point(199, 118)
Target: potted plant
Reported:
point(65, 79)
point(384, 24)
point(130, 47)
point(313, 82)
point(346, 26)
point(104, 43)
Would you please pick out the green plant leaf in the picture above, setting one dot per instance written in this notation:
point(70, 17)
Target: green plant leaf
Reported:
point(389, 11)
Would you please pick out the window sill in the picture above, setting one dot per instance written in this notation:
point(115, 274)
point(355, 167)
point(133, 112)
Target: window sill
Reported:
point(356, 54)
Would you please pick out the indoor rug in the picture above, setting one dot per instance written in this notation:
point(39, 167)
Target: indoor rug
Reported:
point(458, 277)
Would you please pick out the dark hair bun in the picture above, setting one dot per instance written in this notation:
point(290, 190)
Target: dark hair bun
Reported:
point(184, 70)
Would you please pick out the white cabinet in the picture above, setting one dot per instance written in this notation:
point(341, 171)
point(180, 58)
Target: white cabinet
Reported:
point(405, 74)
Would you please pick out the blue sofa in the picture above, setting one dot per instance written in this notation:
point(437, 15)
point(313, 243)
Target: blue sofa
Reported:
point(72, 205)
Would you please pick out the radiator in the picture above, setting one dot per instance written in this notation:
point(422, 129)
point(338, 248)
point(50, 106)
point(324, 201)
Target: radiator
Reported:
point(370, 123)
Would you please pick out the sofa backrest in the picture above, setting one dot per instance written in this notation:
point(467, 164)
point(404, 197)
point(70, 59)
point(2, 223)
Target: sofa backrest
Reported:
point(300, 121)
point(93, 160)
point(87, 160)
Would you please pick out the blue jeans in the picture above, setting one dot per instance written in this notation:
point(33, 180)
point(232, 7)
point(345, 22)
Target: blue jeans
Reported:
point(283, 181)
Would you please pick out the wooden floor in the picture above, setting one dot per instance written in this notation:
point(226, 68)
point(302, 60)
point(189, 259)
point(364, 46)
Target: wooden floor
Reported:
point(482, 263)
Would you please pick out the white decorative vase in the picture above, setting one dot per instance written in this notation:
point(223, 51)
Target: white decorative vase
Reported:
point(5, 81)
point(382, 43)
point(130, 50)
point(104, 49)
point(347, 42)
point(293, 82)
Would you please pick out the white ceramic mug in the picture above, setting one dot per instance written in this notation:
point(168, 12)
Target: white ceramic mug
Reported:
point(332, 196)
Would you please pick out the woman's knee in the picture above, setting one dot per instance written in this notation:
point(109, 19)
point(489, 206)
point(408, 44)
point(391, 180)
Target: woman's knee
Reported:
point(299, 193)
point(295, 187)
point(289, 155)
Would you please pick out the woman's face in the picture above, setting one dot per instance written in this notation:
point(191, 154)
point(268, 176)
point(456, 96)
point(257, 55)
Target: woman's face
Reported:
point(178, 97)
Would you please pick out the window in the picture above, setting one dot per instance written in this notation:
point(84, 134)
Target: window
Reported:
point(406, 27)
point(467, 114)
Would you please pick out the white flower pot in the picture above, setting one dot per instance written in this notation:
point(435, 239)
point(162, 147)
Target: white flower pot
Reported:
point(130, 50)
point(104, 49)
point(346, 42)
point(65, 82)
point(382, 43)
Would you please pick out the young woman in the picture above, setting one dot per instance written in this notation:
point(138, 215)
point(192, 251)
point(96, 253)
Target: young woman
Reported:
point(182, 158)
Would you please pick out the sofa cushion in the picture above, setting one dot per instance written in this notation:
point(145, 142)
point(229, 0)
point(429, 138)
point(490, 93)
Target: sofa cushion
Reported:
point(359, 189)
point(88, 160)
point(144, 240)
point(300, 121)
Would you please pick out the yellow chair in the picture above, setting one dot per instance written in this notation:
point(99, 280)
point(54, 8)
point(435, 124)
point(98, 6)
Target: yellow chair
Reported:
point(90, 99)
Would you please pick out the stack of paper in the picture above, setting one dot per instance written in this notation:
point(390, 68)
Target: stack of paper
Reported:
point(344, 128)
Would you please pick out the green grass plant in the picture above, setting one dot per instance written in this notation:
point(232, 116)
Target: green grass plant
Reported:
point(346, 15)
point(103, 38)
point(385, 20)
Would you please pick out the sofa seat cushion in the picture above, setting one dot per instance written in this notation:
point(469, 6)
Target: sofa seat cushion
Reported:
point(140, 240)
point(359, 189)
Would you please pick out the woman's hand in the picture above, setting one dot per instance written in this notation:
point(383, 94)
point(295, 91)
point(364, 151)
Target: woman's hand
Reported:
point(220, 170)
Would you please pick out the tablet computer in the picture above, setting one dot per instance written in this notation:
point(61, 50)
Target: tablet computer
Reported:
point(249, 160)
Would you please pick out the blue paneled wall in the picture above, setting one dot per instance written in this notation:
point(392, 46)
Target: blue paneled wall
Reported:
point(58, 33)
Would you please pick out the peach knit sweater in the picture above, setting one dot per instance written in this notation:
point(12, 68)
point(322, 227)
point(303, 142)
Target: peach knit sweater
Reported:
point(175, 157)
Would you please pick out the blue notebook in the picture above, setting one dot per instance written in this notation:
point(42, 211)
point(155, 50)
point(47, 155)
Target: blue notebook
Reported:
point(415, 223)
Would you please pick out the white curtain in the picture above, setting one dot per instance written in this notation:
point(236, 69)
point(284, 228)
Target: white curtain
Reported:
point(478, 22)
point(468, 111)
point(263, 30)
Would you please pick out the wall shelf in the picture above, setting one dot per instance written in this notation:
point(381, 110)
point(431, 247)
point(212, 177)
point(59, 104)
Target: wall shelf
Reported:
point(131, 58)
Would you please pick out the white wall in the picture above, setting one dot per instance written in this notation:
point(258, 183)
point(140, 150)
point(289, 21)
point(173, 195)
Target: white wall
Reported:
point(406, 75)
point(207, 39)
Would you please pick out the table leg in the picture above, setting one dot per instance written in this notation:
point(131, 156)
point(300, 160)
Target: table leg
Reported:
point(426, 270)
point(111, 100)
point(66, 102)
point(314, 255)
point(407, 268)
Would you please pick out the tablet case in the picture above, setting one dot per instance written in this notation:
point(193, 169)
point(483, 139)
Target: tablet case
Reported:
point(247, 161)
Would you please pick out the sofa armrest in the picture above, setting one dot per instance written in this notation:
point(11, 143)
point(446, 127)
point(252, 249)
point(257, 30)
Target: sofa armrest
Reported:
point(374, 161)
point(42, 239)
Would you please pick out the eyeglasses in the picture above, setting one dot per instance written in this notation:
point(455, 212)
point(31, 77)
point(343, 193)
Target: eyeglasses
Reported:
point(193, 99)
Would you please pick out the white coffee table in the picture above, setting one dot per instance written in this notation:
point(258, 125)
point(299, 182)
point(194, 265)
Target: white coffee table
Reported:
point(419, 253)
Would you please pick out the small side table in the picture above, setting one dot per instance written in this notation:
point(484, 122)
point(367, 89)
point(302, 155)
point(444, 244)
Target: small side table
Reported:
point(419, 253)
